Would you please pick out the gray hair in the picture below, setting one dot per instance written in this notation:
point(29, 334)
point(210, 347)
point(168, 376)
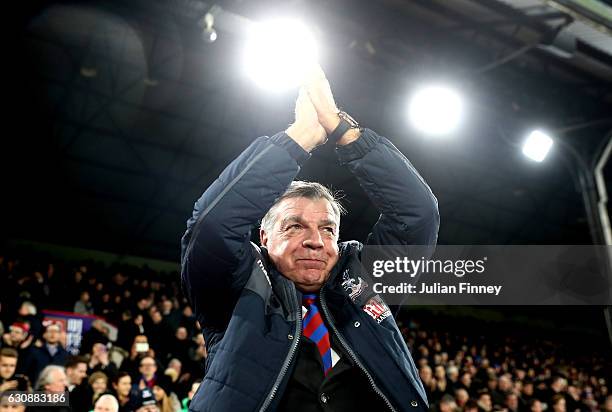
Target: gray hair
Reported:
point(112, 399)
point(30, 307)
point(309, 190)
point(45, 376)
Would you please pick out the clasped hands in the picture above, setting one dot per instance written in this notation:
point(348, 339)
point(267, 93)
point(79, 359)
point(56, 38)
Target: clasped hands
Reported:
point(316, 113)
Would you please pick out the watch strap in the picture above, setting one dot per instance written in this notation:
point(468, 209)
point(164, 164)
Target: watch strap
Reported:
point(340, 130)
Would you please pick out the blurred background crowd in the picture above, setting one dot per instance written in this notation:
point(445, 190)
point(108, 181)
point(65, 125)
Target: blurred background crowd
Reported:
point(155, 360)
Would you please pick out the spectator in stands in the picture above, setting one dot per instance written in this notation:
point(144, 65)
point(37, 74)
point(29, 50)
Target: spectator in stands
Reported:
point(9, 404)
point(181, 344)
point(175, 365)
point(122, 387)
point(83, 306)
point(147, 369)
point(18, 336)
point(447, 404)
point(170, 313)
point(28, 313)
point(98, 381)
point(98, 333)
point(76, 371)
point(99, 361)
point(140, 348)
point(465, 381)
point(484, 402)
point(52, 379)
point(558, 403)
point(535, 405)
point(197, 356)
point(440, 386)
point(512, 403)
point(573, 401)
point(471, 406)
point(452, 374)
point(504, 387)
point(106, 308)
point(8, 365)
point(142, 305)
point(557, 385)
point(185, 402)
point(429, 383)
point(607, 406)
point(84, 397)
point(106, 403)
point(527, 392)
point(159, 331)
point(50, 353)
point(166, 399)
point(188, 319)
point(147, 402)
point(129, 328)
point(461, 397)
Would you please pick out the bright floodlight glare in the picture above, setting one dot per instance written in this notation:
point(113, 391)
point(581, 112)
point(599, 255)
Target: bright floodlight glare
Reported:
point(279, 53)
point(537, 145)
point(436, 110)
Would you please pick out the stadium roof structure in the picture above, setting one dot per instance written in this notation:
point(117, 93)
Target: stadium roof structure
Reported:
point(121, 114)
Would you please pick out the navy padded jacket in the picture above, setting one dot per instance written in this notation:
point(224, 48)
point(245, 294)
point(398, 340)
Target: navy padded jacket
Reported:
point(250, 314)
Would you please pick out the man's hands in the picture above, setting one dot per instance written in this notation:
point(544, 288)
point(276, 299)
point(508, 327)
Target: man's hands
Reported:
point(320, 94)
point(306, 130)
point(316, 113)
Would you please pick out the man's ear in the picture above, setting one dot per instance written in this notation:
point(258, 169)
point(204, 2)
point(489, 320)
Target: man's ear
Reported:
point(263, 238)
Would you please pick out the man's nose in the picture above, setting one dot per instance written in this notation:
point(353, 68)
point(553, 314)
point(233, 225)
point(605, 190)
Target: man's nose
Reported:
point(313, 240)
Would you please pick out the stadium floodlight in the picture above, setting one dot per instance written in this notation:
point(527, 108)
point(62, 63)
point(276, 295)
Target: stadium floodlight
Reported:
point(537, 145)
point(279, 54)
point(435, 110)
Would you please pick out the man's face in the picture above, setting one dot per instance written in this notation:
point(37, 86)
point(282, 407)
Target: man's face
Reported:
point(58, 382)
point(105, 405)
point(148, 408)
point(7, 366)
point(76, 374)
point(512, 401)
point(148, 367)
point(537, 406)
point(17, 335)
point(181, 333)
point(485, 402)
point(462, 397)
point(505, 384)
point(52, 335)
point(7, 406)
point(303, 243)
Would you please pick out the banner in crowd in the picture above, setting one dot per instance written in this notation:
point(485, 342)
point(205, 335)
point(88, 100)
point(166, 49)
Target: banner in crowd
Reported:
point(75, 326)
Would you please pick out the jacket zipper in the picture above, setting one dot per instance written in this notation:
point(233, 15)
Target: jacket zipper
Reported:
point(288, 359)
point(350, 351)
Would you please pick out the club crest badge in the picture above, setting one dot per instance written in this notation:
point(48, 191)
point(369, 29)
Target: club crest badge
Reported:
point(354, 287)
point(377, 309)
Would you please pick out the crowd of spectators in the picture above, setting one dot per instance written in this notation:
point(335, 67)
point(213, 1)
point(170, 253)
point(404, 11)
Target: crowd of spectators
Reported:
point(157, 360)
point(155, 363)
point(463, 368)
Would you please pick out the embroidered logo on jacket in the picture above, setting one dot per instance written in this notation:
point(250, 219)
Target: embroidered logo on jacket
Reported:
point(377, 309)
point(354, 287)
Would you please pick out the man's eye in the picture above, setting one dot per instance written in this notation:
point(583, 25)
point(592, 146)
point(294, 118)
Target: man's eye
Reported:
point(294, 227)
point(329, 230)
